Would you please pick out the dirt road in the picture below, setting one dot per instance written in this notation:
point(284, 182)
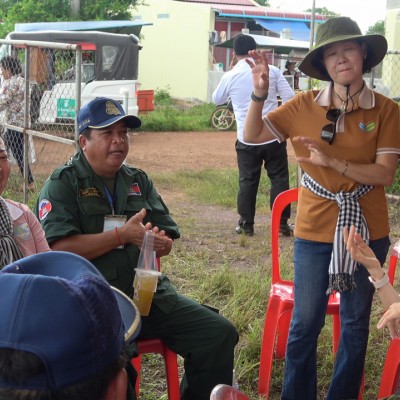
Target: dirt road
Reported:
point(173, 151)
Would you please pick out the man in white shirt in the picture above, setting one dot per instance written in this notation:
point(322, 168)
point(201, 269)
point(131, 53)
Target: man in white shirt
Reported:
point(237, 84)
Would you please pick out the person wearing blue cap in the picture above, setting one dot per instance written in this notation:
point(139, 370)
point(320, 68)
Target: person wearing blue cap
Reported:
point(100, 208)
point(63, 330)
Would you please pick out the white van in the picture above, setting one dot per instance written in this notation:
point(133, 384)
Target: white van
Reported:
point(109, 69)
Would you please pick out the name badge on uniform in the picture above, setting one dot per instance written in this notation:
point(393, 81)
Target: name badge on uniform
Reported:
point(114, 221)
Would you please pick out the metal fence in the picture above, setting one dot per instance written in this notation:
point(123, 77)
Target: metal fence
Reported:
point(38, 112)
point(46, 136)
point(385, 79)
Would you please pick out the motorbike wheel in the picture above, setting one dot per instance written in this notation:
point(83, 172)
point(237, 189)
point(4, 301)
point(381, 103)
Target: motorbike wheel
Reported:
point(223, 118)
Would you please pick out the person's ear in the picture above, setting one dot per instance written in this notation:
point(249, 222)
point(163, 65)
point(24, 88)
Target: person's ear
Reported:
point(82, 142)
point(118, 386)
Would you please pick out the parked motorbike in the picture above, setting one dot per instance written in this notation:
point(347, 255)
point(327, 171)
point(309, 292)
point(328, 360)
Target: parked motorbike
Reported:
point(223, 117)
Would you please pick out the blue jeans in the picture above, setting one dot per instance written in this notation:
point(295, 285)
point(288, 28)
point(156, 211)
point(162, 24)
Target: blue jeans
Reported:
point(311, 262)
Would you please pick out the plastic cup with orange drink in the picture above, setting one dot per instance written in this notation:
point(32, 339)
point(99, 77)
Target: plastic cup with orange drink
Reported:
point(146, 276)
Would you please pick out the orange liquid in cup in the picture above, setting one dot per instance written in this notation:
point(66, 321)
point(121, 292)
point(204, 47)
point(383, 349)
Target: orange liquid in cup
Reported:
point(145, 284)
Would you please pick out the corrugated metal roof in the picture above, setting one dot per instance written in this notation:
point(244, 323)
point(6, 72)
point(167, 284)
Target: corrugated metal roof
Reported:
point(263, 12)
point(247, 8)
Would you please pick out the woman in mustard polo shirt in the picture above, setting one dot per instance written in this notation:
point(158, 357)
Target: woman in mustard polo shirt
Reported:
point(347, 141)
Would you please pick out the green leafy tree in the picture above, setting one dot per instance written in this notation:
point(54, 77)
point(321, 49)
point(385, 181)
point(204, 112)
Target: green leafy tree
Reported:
point(22, 11)
point(324, 11)
point(263, 3)
point(378, 27)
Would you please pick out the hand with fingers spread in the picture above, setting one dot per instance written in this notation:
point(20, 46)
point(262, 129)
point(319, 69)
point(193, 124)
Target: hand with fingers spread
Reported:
point(361, 252)
point(317, 156)
point(260, 70)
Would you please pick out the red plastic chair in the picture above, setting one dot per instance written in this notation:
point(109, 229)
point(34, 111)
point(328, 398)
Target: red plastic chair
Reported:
point(390, 380)
point(146, 346)
point(226, 392)
point(281, 301)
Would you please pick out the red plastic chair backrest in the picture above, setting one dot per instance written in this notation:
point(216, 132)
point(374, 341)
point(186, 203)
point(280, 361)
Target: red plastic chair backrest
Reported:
point(280, 203)
point(393, 262)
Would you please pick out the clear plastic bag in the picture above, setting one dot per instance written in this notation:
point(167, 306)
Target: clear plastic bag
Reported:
point(146, 275)
point(147, 258)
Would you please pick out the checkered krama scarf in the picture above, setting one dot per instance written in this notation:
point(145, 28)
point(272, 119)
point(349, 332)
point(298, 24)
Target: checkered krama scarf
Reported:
point(9, 249)
point(342, 267)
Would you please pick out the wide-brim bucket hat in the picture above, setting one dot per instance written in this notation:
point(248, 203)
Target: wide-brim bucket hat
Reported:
point(337, 30)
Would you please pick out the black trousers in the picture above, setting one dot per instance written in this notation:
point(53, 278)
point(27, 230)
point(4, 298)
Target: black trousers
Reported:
point(15, 141)
point(250, 160)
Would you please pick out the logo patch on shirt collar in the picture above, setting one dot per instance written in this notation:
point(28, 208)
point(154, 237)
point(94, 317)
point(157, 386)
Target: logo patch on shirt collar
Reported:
point(134, 190)
point(367, 127)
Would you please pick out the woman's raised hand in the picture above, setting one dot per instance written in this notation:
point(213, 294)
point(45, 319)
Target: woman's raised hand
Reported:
point(260, 70)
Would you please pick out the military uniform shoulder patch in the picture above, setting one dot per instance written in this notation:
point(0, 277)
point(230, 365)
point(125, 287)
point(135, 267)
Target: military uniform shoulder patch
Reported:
point(44, 208)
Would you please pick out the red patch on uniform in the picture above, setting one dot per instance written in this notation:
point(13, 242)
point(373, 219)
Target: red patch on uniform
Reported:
point(44, 208)
point(134, 190)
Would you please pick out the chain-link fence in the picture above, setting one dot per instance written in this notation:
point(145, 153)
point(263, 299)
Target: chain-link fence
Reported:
point(385, 79)
point(40, 96)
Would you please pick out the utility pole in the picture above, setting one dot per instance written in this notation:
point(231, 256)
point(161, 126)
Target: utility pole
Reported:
point(75, 7)
point(312, 29)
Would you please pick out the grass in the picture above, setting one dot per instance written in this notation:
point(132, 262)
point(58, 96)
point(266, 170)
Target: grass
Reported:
point(174, 115)
point(241, 293)
point(232, 275)
point(170, 118)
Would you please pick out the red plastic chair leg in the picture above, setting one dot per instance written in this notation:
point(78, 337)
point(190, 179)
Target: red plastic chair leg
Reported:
point(267, 347)
point(336, 332)
point(171, 365)
point(391, 371)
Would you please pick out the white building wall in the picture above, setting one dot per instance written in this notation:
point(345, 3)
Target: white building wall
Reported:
point(176, 52)
point(392, 24)
point(390, 72)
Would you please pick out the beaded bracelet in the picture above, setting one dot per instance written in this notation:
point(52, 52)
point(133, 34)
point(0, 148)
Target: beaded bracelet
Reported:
point(346, 165)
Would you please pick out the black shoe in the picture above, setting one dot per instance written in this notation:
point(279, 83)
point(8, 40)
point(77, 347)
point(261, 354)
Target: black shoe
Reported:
point(248, 230)
point(285, 230)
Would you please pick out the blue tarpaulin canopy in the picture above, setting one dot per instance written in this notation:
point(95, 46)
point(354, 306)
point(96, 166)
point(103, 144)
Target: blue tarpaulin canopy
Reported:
point(297, 30)
point(126, 27)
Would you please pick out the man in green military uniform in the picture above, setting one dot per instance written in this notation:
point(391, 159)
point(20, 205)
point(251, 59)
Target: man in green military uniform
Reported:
point(99, 208)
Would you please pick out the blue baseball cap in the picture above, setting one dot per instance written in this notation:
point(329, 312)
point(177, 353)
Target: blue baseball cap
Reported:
point(102, 112)
point(58, 306)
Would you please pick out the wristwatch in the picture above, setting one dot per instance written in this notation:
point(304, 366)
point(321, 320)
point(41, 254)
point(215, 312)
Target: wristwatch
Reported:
point(382, 282)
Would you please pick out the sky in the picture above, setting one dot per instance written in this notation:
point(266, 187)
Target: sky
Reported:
point(364, 12)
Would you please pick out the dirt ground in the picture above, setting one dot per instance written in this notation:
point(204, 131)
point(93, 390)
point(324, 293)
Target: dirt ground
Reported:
point(173, 151)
